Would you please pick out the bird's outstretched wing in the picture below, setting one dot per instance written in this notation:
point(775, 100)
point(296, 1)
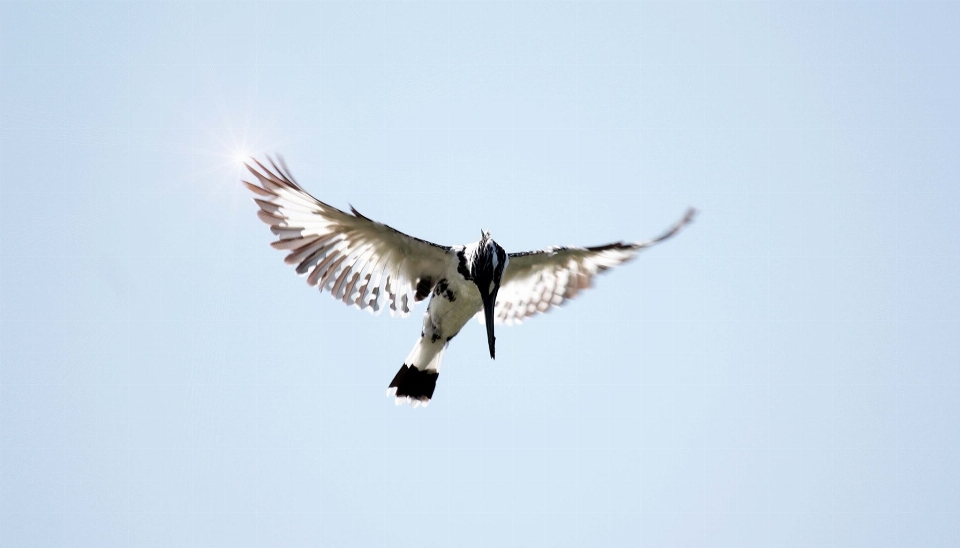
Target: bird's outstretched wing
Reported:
point(357, 260)
point(536, 281)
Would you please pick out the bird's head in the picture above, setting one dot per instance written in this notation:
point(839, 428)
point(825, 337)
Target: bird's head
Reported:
point(488, 261)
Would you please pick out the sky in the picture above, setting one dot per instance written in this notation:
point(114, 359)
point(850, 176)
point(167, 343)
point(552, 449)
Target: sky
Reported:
point(785, 372)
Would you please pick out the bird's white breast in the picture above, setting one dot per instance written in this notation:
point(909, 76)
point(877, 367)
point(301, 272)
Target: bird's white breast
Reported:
point(450, 316)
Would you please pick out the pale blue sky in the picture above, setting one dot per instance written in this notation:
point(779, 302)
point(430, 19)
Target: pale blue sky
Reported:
point(786, 372)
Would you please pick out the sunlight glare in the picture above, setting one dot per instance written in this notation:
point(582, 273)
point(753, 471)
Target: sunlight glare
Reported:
point(241, 156)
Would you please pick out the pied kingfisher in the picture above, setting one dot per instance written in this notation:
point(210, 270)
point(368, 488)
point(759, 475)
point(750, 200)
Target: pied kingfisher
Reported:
point(368, 264)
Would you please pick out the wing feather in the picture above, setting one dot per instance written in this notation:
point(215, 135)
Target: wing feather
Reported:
point(536, 281)
point(356, 259)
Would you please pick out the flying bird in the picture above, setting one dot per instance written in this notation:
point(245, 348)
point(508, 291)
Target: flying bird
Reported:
point(371, 266)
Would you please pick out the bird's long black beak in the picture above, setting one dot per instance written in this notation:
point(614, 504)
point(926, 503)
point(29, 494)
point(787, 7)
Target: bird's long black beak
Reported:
point(489, 303)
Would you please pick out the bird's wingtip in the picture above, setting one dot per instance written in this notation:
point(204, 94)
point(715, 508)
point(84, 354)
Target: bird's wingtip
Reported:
point(357, 213)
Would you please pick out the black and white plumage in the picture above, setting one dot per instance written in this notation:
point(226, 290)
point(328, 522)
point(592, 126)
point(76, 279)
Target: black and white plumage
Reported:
point(372, 266)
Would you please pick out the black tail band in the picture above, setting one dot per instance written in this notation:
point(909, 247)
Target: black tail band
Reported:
point(413, 383)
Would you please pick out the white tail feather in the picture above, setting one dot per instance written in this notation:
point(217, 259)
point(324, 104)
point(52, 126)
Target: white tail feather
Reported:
point(426, 355)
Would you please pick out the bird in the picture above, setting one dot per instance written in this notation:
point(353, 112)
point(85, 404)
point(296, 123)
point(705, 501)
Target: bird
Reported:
point(372, 266)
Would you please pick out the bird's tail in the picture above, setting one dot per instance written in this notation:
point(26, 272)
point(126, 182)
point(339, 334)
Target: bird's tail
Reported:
point(417, 379)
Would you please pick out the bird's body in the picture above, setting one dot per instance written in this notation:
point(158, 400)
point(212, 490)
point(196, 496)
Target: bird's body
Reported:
point(453, 302)
point(370, 265)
